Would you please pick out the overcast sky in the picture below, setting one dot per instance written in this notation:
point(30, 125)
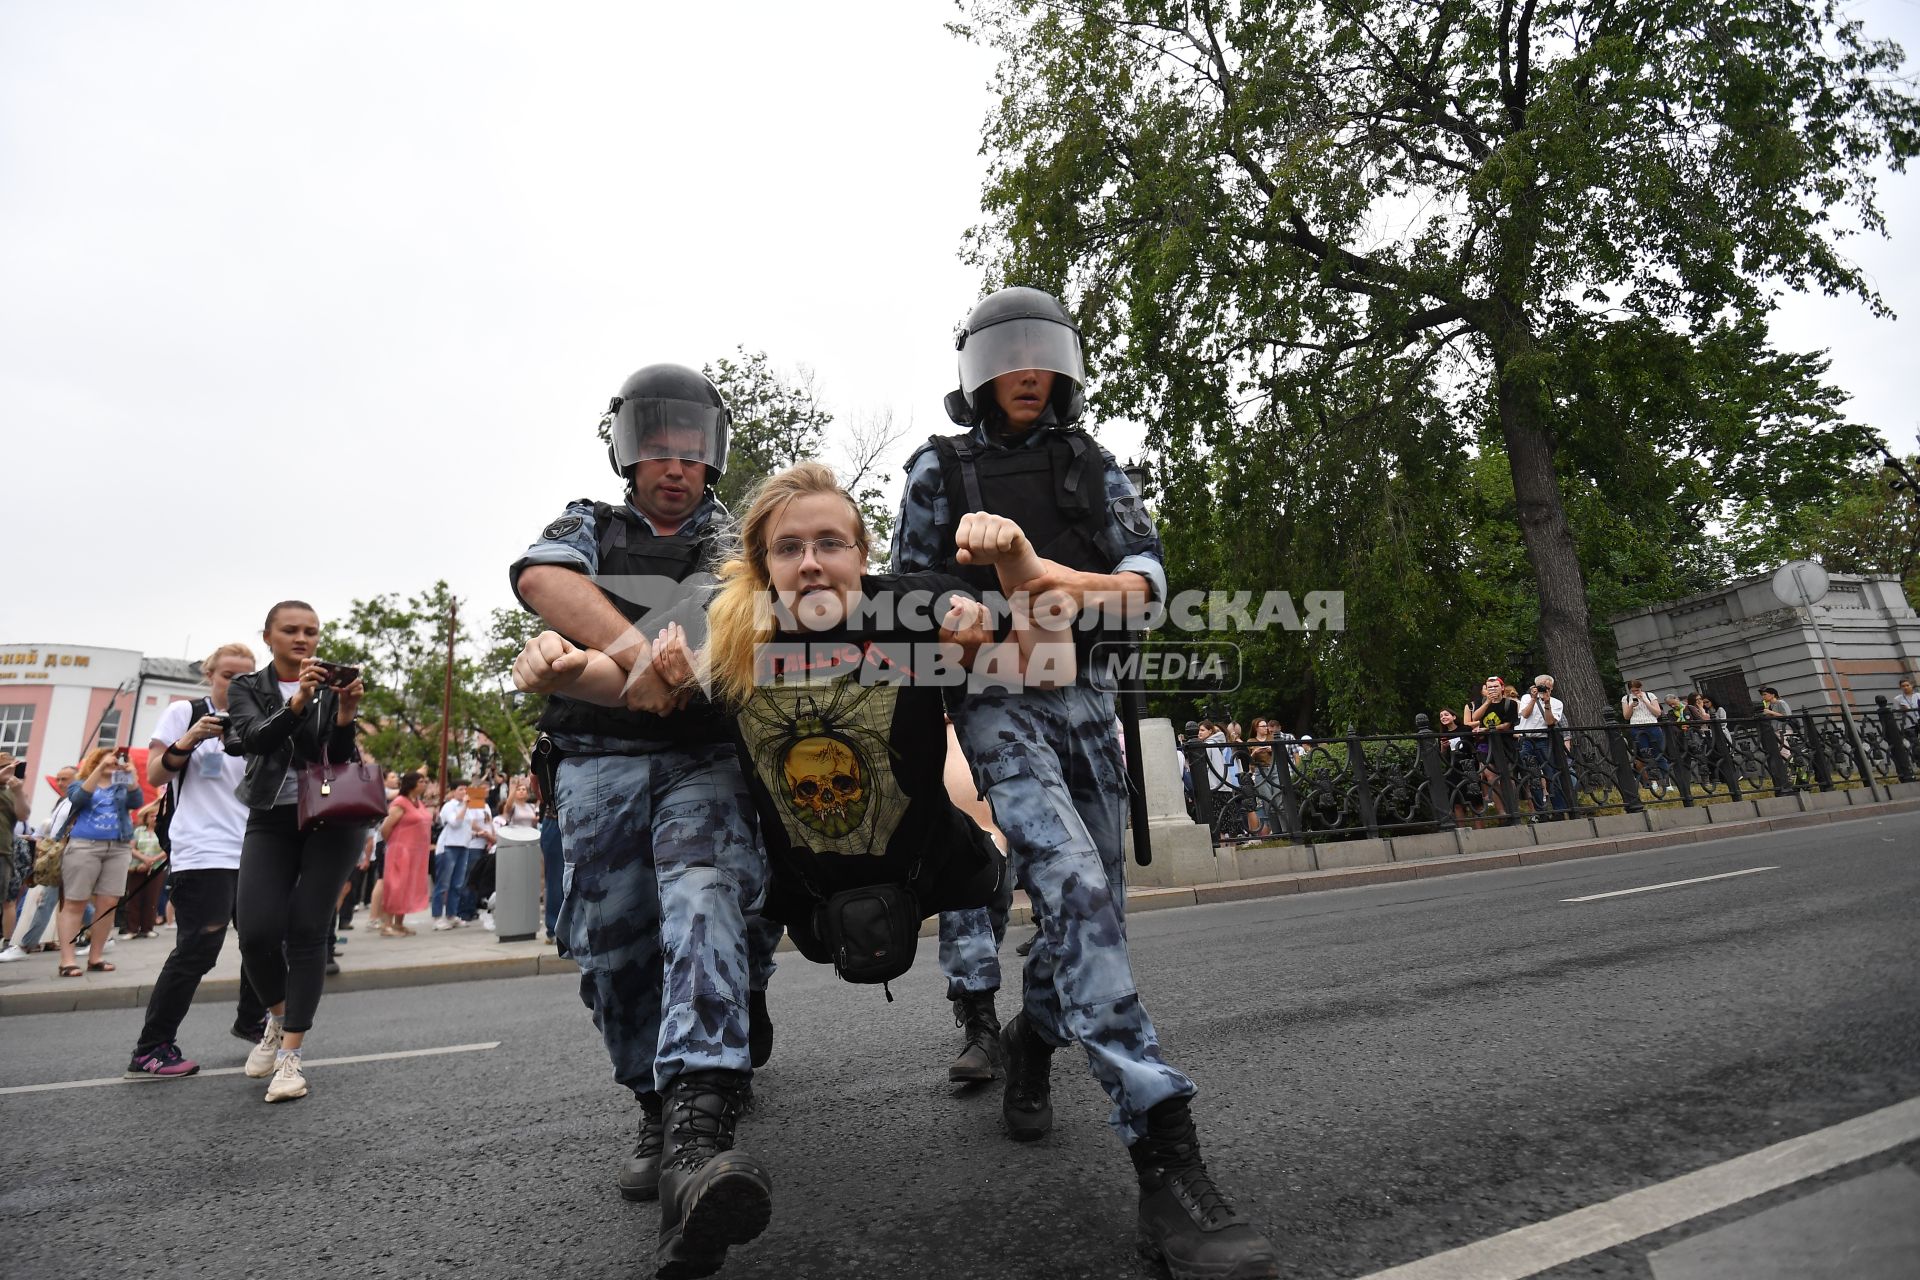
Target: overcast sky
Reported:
point(323, 300)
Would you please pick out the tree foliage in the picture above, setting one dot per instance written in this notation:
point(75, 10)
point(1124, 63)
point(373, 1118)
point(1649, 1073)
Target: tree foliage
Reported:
point(402, 648)
point(1338, 254)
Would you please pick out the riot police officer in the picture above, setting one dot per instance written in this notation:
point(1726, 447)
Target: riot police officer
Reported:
point(662, 859)
point(1050, 765)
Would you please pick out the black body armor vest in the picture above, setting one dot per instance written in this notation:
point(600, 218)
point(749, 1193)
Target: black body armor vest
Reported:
point(1056, 492)
point(637, 567)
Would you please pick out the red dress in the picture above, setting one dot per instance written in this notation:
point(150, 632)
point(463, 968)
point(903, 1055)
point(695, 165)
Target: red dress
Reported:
point(406, 875)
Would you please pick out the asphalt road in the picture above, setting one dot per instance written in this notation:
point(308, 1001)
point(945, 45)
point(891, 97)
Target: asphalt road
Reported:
point(1384, 1072)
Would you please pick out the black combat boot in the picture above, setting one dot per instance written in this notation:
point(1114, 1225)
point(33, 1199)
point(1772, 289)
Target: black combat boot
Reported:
point(1028, 1102)
point(1185, 1221)
point(640, 1180)
point(980, 1057)
point(759, 1029)
point(711, 1196)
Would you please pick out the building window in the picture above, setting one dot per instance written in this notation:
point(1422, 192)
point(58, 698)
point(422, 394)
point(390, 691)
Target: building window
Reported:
point(16, 730)
point(109, 728)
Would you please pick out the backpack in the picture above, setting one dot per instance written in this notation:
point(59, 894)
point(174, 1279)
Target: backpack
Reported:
point(170, 798)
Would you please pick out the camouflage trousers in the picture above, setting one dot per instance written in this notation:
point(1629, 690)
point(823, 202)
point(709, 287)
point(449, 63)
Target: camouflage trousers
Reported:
point(1051, 766)
point(663, 863)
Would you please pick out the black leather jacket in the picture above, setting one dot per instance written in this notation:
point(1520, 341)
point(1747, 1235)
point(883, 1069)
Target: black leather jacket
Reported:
point(272, 737)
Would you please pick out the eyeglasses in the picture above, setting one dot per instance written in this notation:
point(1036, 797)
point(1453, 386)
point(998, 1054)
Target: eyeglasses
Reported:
point(824, 548)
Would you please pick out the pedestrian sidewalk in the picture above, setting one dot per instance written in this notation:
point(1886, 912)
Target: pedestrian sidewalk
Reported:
point(369, 961)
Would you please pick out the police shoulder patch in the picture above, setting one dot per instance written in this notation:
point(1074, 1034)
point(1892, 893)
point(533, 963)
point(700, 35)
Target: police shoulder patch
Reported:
point(1130, 513)
point(561, 528)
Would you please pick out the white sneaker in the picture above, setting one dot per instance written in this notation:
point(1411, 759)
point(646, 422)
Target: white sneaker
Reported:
point(442, 925)
point(288, 1083)
point(260, 1058)
point(108, 947)
point(11, 954)
point(455, 922)
point(486, 921)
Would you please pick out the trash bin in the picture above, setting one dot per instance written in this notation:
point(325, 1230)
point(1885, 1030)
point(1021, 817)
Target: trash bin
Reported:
point(516, 884)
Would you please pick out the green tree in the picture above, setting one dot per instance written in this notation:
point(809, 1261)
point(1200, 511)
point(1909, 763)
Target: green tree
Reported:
point(777, 420)
point(1302, 219)
point(1872, 525)
point(402, 648)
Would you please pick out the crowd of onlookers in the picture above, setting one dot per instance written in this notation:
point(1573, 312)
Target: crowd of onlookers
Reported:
point(431, 860)
point(1242, 770)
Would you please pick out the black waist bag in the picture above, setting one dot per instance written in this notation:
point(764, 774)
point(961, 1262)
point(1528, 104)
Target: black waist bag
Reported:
point(870, 932)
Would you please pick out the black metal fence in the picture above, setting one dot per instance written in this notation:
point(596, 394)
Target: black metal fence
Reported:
point(1435, 780)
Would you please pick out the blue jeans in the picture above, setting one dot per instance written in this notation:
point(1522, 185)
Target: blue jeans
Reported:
point(553, 867)
point(42, 917)
point(663, 862)
point(1536, 764)
point(450, 880)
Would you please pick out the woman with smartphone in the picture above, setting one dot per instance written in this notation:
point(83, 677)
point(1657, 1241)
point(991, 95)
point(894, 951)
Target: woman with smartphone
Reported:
point(104, 797)
point(290, 713)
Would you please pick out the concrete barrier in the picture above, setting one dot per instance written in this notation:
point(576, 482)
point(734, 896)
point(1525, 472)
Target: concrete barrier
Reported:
point(1676, 818)
point(1494, 839)
point(1621, 824)
point(1437, 844)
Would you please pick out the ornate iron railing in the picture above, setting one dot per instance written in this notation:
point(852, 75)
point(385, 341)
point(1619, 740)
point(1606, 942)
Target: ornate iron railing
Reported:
point(1431, 780)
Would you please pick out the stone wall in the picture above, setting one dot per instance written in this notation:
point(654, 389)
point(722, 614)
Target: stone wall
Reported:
point(1741, 636)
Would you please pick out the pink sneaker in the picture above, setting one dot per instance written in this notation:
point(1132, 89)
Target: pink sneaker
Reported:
point(164, 1061)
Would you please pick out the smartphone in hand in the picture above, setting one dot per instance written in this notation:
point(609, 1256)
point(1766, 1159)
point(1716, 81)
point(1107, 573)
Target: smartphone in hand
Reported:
point(339, 674)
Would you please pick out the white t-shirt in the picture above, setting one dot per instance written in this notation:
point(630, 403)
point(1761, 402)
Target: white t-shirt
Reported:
point(456, 831)
point(209, 821)
point(1644, 709)
point(290, 780)
point(521, 815)
point(1536, 717)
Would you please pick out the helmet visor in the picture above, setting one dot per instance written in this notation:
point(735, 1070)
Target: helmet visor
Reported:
point(647, 429)
point(1025, 343)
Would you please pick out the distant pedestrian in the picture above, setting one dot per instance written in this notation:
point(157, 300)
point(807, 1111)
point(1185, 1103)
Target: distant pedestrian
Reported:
point(37, 908)
point(1541, 716)
point(453, 857)
point(407, 830)
point(99, 851)
point(13, 813)
point(1906, 713)
point(283, 716)
point(140, 910)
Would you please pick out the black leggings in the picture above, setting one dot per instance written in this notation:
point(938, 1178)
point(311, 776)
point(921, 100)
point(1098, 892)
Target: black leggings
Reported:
point(290, 882)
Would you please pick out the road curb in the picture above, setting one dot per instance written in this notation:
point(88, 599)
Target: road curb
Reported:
point(1139, 899)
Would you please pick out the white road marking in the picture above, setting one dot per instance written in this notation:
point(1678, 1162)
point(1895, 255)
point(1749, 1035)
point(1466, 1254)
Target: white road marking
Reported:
point(1528, 1251)
point(1671, 884)
point(234, 1071)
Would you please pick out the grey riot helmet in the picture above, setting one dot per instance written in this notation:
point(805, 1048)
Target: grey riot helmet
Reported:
point(1014, 329)
point(668, 411)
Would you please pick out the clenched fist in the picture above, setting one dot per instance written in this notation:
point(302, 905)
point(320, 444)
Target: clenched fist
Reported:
point(549, 664)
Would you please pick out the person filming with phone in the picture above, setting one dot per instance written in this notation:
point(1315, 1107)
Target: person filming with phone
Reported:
point(296, 710)
point(104, 797)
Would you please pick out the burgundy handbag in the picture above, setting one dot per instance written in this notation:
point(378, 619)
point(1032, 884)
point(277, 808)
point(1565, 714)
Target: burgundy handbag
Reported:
point(340, 795)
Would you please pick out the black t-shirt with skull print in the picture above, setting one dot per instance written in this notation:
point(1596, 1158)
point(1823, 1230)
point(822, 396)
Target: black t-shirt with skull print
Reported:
point(844, 746)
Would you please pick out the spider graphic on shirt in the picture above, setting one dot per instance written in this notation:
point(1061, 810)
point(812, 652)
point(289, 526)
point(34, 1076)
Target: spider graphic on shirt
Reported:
point(821, 748)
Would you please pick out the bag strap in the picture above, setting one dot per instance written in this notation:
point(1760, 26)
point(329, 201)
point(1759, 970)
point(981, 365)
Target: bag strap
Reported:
point(178, 783)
